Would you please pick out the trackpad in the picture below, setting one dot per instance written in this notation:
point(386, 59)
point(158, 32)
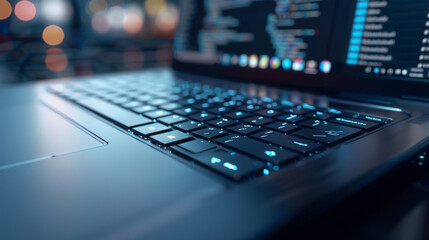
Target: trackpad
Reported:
point(34, 132)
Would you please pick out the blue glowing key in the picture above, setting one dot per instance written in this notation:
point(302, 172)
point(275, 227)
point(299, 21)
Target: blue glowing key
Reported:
point(301, 144)
point(335, 111)
point(215, 160)
point(257, 149)
point(270, 153)
point(266, 172)
point(230, 166)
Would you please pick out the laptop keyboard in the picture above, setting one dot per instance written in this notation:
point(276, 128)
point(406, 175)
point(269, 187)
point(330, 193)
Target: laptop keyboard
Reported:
point(233, 134)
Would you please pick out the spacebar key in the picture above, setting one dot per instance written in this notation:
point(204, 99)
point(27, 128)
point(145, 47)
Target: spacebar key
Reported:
point(119, 115)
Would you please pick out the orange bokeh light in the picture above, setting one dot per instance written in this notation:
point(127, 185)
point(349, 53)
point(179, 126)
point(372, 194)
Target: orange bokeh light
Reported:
point(53, 35)
point(133, 23)
point(5, 9)
point(25, 10)
point(56, 60)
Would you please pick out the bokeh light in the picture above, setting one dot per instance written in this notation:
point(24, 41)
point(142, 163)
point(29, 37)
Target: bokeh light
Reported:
point(6, 43)
point(115, 17)
point(56, 10)
point(153, 7)
point(56, 60)
point(133, 23)
point(114, 31)
point(167, 20)
point(5, 9)
point(25, 10)
point(53, 35)
point(100, 23)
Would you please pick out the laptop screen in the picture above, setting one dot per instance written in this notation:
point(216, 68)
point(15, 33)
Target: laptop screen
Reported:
point(364, 38)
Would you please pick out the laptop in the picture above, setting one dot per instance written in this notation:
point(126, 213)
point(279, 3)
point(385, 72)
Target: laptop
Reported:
point(272, 113)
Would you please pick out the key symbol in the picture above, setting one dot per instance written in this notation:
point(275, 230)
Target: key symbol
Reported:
point(334, 133)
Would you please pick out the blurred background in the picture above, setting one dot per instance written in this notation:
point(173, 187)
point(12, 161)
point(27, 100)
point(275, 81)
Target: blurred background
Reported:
point(61, 38)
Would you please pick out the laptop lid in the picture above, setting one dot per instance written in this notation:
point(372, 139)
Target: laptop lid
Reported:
point(374, 46)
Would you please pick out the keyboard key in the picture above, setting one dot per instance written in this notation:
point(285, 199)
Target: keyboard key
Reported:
point(185, 111)
point(232, 165)
point(173, 119)
point(248, 108)
point(202, 117)
point(272, 105)
point(172, 97)
point(320, 115)
point(202, 106)
point(348, 114)
point(170, 106)
point(110, 97)
point(170, 138)
point(362, 124)
point(142, 109)
point(144, 98)
point(157, 102)
point(244, 129)
point(282, 127)
point(222, 122)
point(291, 142)
point(189, 126)
point(328, 133)
point(268, 112)
point(197, 146)
point(312, 123)
point(286, 103)
point(257, 149)
point(157, 114)
point(298, 110)
point(210, 133)
point(253, 101)
point(151, 129)
point(131, 104)
point(258, 121)
point(237, 115)
point(219, 110)
point(232, 103)
point(335, 111)
point(291, 118)
point(377, 119)
point(121, 100)
point(117, 114)
point(187, 101)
